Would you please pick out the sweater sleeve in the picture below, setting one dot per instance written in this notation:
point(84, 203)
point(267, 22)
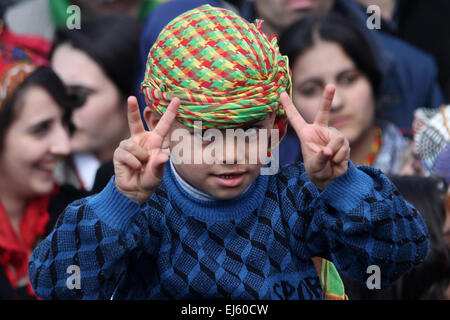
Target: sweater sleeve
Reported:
point(361, 220)
point(86, 254)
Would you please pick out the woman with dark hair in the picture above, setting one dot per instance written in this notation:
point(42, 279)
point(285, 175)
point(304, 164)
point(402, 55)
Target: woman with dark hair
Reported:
point(326, 48)
point(97, 63)
point(34, 136)
point(431, 278)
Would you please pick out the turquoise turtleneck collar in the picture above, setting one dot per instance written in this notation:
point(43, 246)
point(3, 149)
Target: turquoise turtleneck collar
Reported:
point(194, 192)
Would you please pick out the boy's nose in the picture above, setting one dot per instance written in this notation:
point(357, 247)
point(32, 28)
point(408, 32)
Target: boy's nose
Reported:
point(234, 151)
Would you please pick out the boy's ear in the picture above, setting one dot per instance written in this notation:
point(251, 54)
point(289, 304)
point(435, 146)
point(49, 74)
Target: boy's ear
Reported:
point(151, 118)
point(273, 120)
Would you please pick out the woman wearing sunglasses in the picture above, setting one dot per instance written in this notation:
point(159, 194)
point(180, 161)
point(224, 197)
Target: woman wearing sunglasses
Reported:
point(96, 63)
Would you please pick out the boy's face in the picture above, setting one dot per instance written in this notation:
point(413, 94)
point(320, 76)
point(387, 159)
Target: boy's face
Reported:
point(232, 170)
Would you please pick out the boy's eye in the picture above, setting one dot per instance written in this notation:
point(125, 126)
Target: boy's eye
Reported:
point(250, 129)
point(203, 135)
point(207, 135)
point(199, 134)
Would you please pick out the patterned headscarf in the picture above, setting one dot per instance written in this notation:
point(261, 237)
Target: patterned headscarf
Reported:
point(433, 140)
point(224, 70)
point(19, 58)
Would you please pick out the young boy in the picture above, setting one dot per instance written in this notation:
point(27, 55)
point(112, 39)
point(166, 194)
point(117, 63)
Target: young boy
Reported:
point(175, 230)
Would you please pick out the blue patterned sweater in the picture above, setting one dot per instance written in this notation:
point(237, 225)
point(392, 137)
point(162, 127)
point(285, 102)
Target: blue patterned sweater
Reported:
point(257, 246)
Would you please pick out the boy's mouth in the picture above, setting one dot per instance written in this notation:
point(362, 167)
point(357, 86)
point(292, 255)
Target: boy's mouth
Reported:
point(230, 179)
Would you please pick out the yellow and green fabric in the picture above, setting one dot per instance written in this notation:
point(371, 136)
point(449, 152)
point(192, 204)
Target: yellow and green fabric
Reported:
point(332, 285)
point(225, 71)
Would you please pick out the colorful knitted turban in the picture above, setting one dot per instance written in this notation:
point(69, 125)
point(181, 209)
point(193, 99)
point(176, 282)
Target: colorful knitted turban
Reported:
point(433, 141)
point(224, 70)
point(19, 57)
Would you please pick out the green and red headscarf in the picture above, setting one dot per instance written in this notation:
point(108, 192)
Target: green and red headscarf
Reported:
point(224, 70)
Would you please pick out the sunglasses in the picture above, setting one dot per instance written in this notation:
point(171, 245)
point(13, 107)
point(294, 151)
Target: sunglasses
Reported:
point(80, 93)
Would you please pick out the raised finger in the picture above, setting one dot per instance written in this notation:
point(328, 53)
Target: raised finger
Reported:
point(323, 115)
point(134, 117)
point(294, 117)
point(164, 124)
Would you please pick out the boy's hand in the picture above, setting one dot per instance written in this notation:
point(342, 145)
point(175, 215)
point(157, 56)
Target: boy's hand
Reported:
point(325, 150)
point(139, 161)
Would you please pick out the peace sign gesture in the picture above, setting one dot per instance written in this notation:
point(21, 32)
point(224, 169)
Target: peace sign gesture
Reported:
point(139, 161)
point(325, 150)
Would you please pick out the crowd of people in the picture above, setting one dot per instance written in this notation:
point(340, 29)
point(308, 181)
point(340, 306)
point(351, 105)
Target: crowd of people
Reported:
point(85, 178)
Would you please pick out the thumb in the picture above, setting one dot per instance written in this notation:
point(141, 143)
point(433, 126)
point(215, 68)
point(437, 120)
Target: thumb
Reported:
point(159, 163)
point(154, 170)
point(322, 157)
